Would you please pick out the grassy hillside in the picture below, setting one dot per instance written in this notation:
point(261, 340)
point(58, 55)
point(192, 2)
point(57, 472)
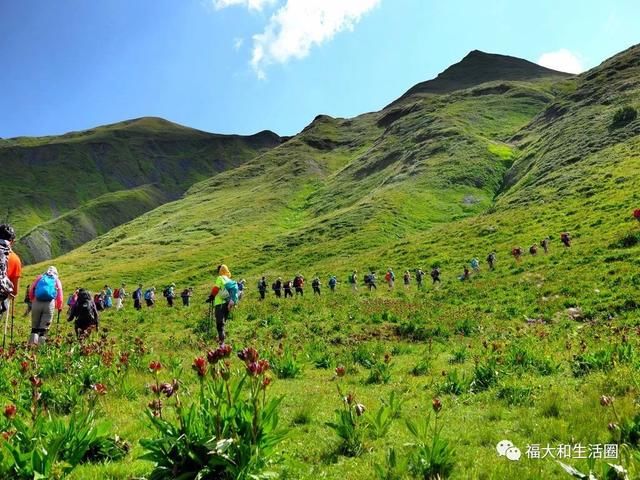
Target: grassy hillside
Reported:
point(137, 164)
point(523, 353)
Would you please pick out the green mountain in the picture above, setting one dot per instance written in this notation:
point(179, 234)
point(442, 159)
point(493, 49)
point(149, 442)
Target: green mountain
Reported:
point(103, 177)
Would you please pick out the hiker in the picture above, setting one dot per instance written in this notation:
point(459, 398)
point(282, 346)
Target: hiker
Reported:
point(435, 275)
point(277, 287)
point(169, 293)
point(288, 285)
point(10, 267)
point(298, 284)
point(224, 296)
point(71, 301)
point(533, 249)
point(390, 278)
point(517, 253)
point(186, 295)
point(85, 314)
point(262, 288)
point(27, 301)
point(545, 245)
point(46, 296)
point(407, 279)
point(241, 285)
point(466, 274)
point(419, 278)
point(149, 296)
point(108, 297)
point(353, 280)
point(566, 239)
point(98, 299)
point(475, 264)
point(491, 260)
point(315, 284)
point(137, 298)
point(370, 281)
point(333, 281)
point(120, 294)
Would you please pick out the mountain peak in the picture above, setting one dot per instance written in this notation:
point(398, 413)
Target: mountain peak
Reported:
point(479, 67)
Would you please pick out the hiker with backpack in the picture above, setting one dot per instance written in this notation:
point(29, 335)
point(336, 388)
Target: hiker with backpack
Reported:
point(333, 281)
point(98, 299)
point(277, 287)
point(406, 279)
point(46, 296)
point(108, 297)
point(150, 296)
point(353, 280)
point(419, 278)
point(262, 288)
point(186, 295)
point(533, 249)
point(435, 275)
point(73, 298)
point(224, 295)
point(298, 284)
point(170, 293)
point(137, 298)
point(517, 253)
point(370, 281)
point(315, 284)
point(475, 265)
point(120, 294)
point(466, 274)
point(85, 314)
point(241, 285)
point(288, 289)
point(491, 260)
point(390, 278)
point(545, 245)
point(566, 239)
point(10, 268)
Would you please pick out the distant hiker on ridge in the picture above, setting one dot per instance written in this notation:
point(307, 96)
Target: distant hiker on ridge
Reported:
point(419, 277)
point(491, 260)
point(517, 253)
point(315, 284)
point(333, 281)
point(108, 297)
point(298, 284)
point(288, 286)
point(406, 278)
point(390, 278)
point(137, 298)
point(566, 239)
point(475, 264)
point(262, 288)
point(149, 297)
point(353, 280)
point(277, 287)
point(435, 275)
point(170, 293)
point(85, 314)
point(120, 294)
point(545, 245)
point(533, 249)
point(186, 295)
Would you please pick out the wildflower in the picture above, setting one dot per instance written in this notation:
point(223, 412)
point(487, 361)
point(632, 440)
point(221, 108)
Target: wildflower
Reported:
point(360, 409)
point(124, 359)
point(100, 389)
point(436, 404)
point(10, 411)
point(8, 434)
point(349, 398)
point(167, 389)
point(24, 366)
point(340, 370)
point(266, 381)
point(248, 355)
point(605, 401)
point(636, 214)
point(200, 366)
point(154, 366)
point(35, 381)
point(387, 357)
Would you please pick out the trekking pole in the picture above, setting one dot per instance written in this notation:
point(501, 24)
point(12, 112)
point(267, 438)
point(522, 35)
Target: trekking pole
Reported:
point(58, 323)
point(4, 337)
point(210, 324)
point(13, 314)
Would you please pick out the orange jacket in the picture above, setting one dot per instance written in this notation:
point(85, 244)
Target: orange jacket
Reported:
point(14, 271)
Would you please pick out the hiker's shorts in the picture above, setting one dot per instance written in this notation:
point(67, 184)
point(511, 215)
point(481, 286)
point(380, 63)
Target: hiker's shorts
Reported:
point(41, 316)
point(221, 313)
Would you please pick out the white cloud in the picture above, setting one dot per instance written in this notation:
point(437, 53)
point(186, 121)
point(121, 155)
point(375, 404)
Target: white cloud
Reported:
point(299, 25)
point(250, 4)
point(237, 43)
point(562, 60)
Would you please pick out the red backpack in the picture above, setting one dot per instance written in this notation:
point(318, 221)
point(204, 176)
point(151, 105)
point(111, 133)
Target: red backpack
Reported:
point(116, 294)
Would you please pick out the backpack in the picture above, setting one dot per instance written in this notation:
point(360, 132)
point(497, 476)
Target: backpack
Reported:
point(85, 314)
point(333, 281)
point(6, 286)
point(147, 295)
point(367, 278)
point(315, 283)
point(230, 291)
point(165, 292)
point(46, 289)
point(116, 293)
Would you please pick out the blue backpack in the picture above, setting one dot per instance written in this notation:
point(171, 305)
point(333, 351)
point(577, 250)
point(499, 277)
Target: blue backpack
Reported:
point(46, 288)
point(231, 289)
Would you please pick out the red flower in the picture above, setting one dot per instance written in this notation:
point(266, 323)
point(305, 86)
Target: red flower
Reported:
point(10, 411)
point(100, 389)
point(340, 371)
point(154, 366)
point(266, 381)
point(436, 404)
point(636, 214)
point(35, 381)
point(124, 358)
point(223, 351)
point(248, 355)
point(200, 366)
point(24, 366)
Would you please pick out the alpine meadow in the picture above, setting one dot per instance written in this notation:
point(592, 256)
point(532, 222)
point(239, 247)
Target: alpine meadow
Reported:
point(423, 381)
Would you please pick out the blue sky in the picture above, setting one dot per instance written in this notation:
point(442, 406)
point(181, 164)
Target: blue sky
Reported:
point(241, 66)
